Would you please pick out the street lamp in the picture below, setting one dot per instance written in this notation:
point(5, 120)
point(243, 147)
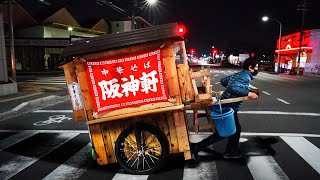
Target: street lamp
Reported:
point(70, 29)
point(265, 19)
point(152, 2)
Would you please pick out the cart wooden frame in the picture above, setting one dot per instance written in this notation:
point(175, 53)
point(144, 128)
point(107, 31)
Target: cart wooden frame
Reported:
point(108, 129)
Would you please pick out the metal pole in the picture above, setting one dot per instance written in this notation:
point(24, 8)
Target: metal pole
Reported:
point(303, 9)
point(279, 46)
point(12, 54)
point(133, 22)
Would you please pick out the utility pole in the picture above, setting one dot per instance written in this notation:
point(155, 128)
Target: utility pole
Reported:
point(303, 8)
point(134, 8)
point(12, 54)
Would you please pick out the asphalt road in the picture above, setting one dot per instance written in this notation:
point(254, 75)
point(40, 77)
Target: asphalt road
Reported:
point(280, 140)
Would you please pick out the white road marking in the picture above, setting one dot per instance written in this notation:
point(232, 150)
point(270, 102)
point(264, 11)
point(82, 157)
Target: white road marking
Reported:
point(283, 101)
point(216, 75)
point(20, 106)
point(120, 176)
point(266, 113)
point(263, 166)
point(20, 97)
point(309, 152)
point(53, 111)
point(73, 168)
point(196, 137)
point(16, 138)
point(279, 113)
point(19, 163)
point(204, 170)
point(266, 93)
point(217, 83)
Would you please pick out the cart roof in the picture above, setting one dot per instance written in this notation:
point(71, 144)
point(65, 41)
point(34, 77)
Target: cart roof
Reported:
point(114, 41)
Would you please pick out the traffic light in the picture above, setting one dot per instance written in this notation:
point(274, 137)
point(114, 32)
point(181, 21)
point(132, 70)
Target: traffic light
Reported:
point(215, 51)
point(192, 51)
point(181, 30)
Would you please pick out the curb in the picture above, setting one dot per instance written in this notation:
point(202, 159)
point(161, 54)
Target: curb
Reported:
point(33, 105)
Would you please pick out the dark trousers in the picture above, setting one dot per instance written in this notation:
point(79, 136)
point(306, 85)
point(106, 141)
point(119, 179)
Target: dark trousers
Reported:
point(233, 140)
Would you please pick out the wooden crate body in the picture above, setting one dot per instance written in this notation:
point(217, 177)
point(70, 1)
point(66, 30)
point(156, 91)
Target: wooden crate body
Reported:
point(168, 116)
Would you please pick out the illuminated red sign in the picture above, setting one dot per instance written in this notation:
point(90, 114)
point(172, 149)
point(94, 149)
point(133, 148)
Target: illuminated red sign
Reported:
point(127, 81)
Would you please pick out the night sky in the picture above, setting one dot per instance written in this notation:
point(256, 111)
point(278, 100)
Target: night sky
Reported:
point(225, 24)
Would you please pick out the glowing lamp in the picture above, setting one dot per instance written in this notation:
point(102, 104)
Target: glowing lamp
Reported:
point(181, 30)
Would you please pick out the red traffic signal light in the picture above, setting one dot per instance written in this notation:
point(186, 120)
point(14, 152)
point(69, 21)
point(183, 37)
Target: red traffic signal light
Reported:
point(215, 51)
point(181, 30)
point(192, 51)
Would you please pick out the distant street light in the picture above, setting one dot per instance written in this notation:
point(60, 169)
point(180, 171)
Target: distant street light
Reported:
point(70, 29)
point(152, 2)
point(266, 18)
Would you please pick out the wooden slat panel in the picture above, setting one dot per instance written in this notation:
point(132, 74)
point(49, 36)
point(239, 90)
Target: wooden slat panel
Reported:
point(108, 142)
point(174, 146)
point(85, 90)
point(182, 134)
point(163, 125)
point(142, 108)
point(115, 131)
point(201, 73)
point(186, 90)
point(98, 143)
point(122, 116)
point(171, 73)
point(125, 51)
point(71, 76)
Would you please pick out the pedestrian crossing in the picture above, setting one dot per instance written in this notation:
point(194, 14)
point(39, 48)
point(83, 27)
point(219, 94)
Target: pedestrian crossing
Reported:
point(219, 73)
point(45, 154)
point(48, 80)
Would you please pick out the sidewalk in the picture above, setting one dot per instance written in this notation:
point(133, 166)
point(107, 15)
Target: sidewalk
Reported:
point(28, 100)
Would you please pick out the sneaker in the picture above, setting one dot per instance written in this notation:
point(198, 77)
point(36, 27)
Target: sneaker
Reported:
point(194, 148)
point(236, 155)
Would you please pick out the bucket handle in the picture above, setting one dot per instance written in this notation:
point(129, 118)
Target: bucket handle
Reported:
point(219, 101)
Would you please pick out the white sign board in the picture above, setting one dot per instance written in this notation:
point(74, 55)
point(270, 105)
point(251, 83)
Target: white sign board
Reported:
point(74, 92)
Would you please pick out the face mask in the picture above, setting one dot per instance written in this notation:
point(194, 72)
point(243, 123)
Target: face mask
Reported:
point(255, 72)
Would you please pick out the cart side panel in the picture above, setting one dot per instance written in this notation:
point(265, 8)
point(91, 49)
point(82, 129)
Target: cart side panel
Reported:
point(187, 93)
point(98, 143)
point(171, 73)
point(163, 125)
point(174, 146)
point(106, 132)
point(95, 130)
point(183, 138)
point(85, 90)
point(71, 77)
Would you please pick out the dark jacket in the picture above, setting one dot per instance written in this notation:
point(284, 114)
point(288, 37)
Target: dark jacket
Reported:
point(237, 85)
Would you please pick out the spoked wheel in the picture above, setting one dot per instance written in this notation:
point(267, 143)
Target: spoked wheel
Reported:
point(141, 149)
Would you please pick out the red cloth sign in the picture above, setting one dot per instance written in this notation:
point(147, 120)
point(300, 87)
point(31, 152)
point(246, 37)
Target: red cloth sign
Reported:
point(127, 81)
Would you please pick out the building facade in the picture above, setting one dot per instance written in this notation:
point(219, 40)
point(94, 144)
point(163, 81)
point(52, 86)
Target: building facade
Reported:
point(309, 54)
point(40, 38)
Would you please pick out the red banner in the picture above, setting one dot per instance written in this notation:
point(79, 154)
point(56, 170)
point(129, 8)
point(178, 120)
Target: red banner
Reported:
point(127, 81)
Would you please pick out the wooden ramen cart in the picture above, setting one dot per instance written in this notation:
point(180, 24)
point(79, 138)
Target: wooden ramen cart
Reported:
point(132, 89)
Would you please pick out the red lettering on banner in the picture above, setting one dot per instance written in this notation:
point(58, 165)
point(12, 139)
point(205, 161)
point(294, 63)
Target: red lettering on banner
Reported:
point(127, 81)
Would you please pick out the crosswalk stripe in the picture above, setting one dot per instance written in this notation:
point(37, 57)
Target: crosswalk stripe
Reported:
point(205, 170)
point(265, 167)
point(309, 152)
point(47, 83)
point(21, 162)
point(121, 176)
point(72, 168)
point(16, 138)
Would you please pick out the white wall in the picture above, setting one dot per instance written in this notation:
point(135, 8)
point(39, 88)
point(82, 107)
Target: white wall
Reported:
point(49, 32)
point(120, 26)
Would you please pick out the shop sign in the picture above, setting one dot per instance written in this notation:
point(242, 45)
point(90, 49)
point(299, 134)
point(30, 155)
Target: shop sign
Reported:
point(127, 81)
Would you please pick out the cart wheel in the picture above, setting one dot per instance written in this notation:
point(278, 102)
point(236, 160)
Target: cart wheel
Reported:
point(93, 154)
point(141, 149)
